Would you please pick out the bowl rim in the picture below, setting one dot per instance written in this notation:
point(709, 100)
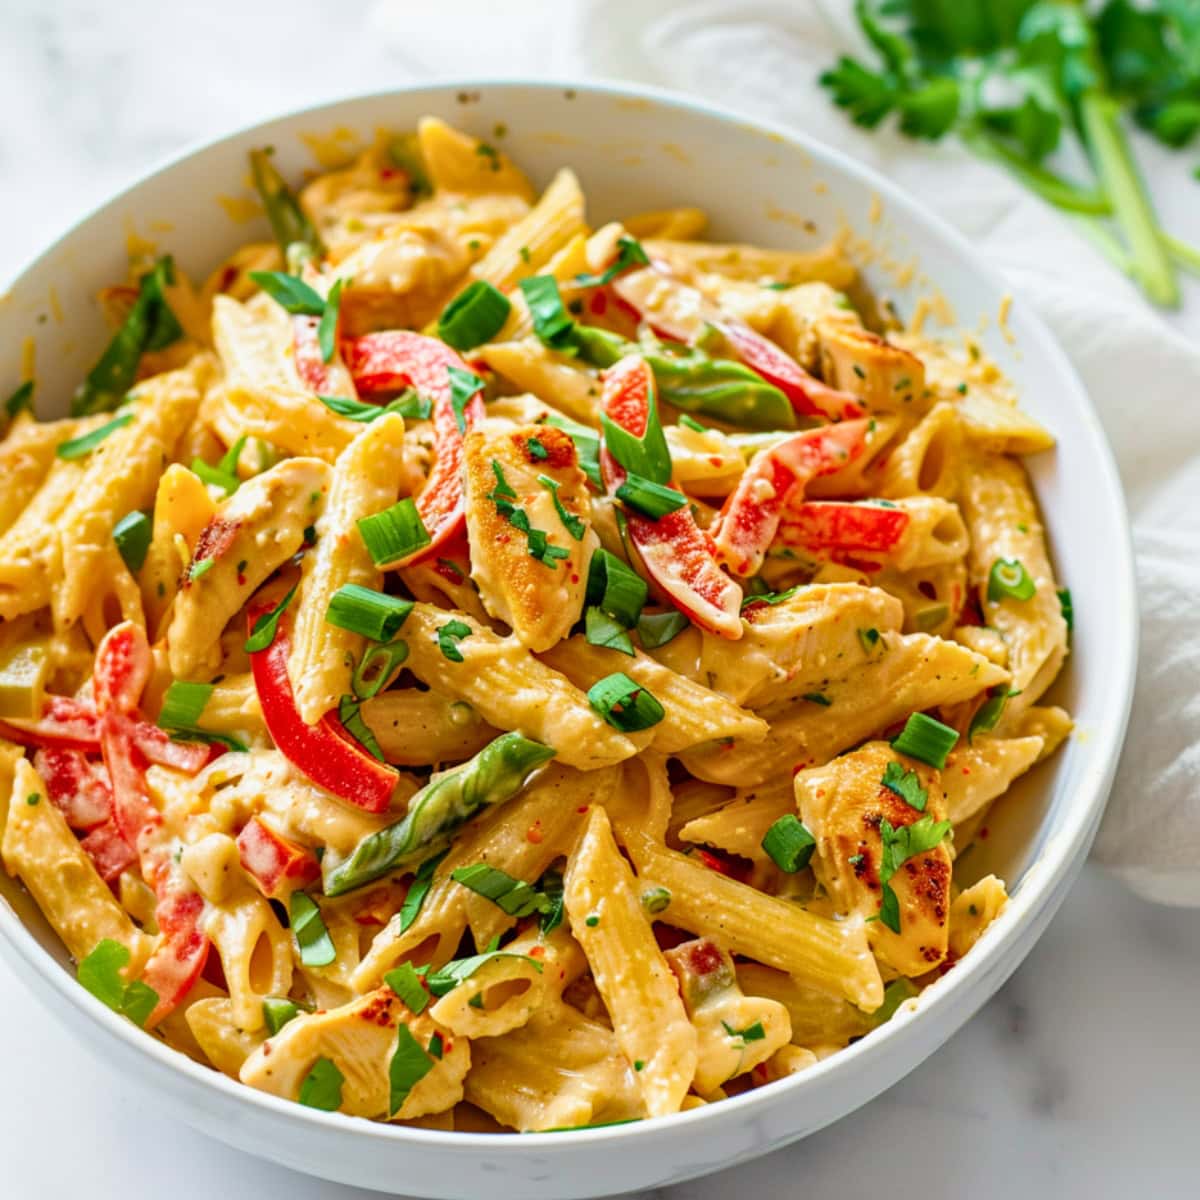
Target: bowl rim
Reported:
point(1045, 880)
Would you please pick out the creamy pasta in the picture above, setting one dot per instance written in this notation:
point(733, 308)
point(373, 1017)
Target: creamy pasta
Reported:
point(466, 667)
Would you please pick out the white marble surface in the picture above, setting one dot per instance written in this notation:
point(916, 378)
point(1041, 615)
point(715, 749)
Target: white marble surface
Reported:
point(1078, 1079)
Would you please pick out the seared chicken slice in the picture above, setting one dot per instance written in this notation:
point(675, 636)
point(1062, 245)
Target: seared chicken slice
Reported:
point(886, 378)
point(844, 804)
point(529, 526)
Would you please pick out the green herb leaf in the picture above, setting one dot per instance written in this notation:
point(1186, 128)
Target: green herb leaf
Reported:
point(551, 323)
point(899, 845)
point(536, 540)
point(752, 1033)
point(327, 330)
point(291, 293)
point(463, 386)
point(316, 946)
point(789, 844)
point(263, 632)
point(988, 713)
point(100, 974)
point(350, 715)
point(603, 630)
point(21, 399)
point(573, 524)
point(409, 986)
point(552, 889)
point(513, 896)
point(817, 698)
point(1068, 609)
point(448, 637)
point(409, 405)
point(446, 979)
point(418, 890)
point(906, 785)
point(322, 1086)
point(87, 442)
point(474, 316)
point(409, 1065)
point(587, 446)
point(630, 253)
point(277, 1012)
point(293, 231)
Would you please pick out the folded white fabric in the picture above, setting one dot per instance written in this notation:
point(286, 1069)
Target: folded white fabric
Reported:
point(763, 57)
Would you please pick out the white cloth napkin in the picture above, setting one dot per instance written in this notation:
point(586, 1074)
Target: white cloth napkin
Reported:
point(763, 57)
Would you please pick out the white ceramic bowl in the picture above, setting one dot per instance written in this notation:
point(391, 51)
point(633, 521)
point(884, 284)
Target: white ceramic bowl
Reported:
point(633, 149)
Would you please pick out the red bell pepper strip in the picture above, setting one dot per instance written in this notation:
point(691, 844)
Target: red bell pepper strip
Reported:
point(157, 746)
point(315, 373)
point(676, 552)
point(109, 851)
point(277, 865)
point(682, 313)
point(747, 522)
point(838, 527)
point(396, 359)
point(65, 724)
point(175, 966)
point(78, 787)
point(324, 752)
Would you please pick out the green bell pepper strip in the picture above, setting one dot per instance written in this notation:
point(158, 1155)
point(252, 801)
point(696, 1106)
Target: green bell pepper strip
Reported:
point(494, 775)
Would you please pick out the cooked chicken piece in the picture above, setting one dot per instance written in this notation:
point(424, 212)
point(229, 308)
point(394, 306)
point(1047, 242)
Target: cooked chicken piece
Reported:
point(887, 378)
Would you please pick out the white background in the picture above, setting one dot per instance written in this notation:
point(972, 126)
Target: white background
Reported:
point(1078, 1079)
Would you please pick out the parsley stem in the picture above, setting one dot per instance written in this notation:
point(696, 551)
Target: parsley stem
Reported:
point(1100, 118)
point(1186, 255)
point(1052, 188)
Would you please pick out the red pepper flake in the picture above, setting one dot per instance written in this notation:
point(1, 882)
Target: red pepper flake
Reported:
point(534, 834)
point(583, 809)
point(716, 460)
point(537, 952)
point(983, 834)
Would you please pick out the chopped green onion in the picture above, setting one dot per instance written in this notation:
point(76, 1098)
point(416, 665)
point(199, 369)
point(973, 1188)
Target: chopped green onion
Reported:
point(87, 442)
point(365, 611)
point(293, 231)
point(537, 450)
point(316, 946)
point(894, 995)
point(263, 633)
point(350, 714)
point(201, 566)
point(1068, 609)
point(587, 446)
point(657, 629)
point(817, 698)
point(906, 785)
point(615, 588)
point(407, 984)
point(624, 704)
point(752, 1033)
point(789, 844)
point(328, 328)
point(869, 639)
point(277, 1012)
point(573, 524)
point(926, 739)
point(322, 1086)
point(150, 325)
point(132, 536)
point(436, 1046)
point(448, 637)
point(227, 482)
point(394, 534)
point(1008, 579)
point(22, 398)
point(409, 405)
point(931, 617)
point(988, 714)
point(656, 899)
point(653, 500)
point(630, 253)
point(183, 704)
point(603, 630)
point(405, 152)
point(647, 456)
point(291, 293)
point(550, 320)
point(552, 888)
point(691, 423)
point(513, 896)
point(474, 316)
point(377, 668)
point(418, 890)
point(463, 386)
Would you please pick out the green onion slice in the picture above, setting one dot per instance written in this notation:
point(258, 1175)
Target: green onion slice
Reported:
point(651, 499)
point(615, 588)
point(365, 611)
point(87, 442)
point(377, 668)
point(278, 1011)
point(228, 483)
point(474, 316)
point(988, 714)
point(22, 398)
point(132, 536)
point(573, 524)
point(926, 739)
point(316, 946)
point(691, 423)
point(624, 704)
point(789, 844)
point(394, 534)
point(657, 629)
point(587, 446)
point(1008, 580)
point(630, 253)
point(656, 899)
point(647, 456)
point(550, 320)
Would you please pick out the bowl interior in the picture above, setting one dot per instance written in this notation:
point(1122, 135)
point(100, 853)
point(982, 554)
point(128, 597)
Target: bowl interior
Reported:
point(633, 153)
